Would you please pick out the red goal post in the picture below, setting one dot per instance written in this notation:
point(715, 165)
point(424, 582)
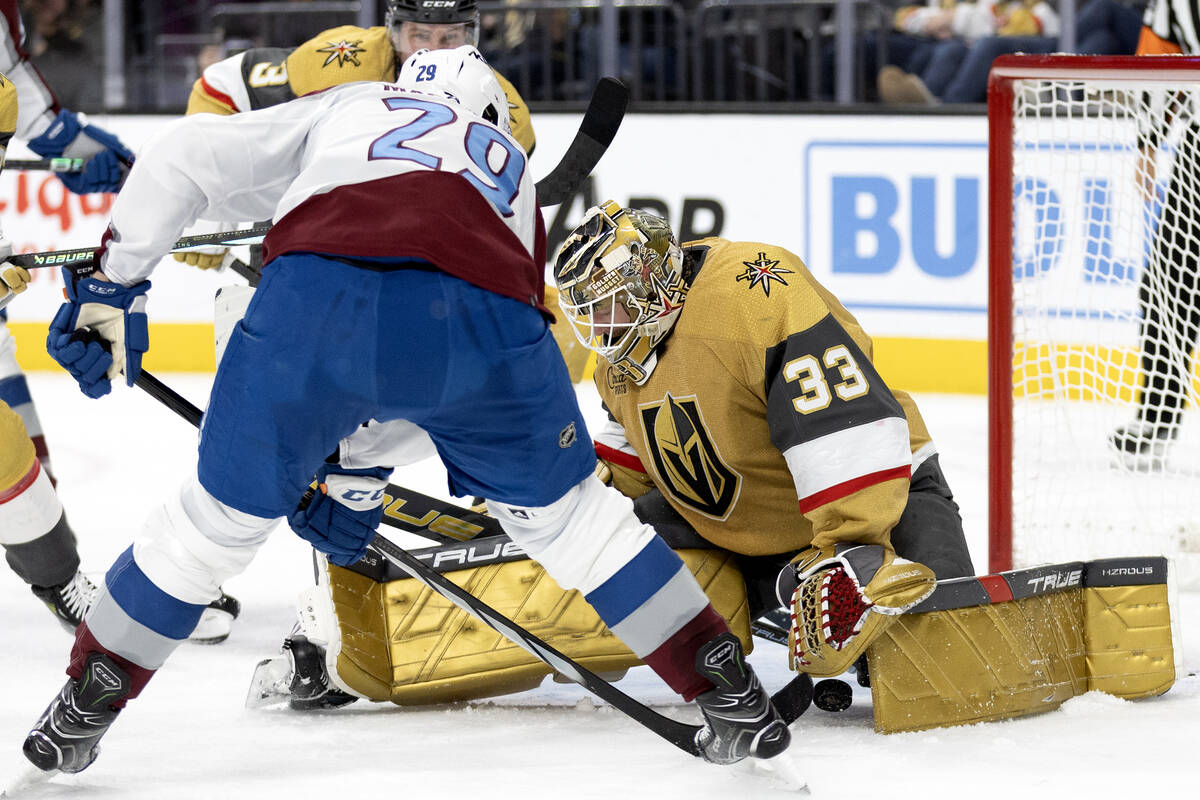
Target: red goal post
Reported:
point(1071, 234)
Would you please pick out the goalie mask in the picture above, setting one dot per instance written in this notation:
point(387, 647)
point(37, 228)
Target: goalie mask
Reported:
point(460, 75)
point(621, 286)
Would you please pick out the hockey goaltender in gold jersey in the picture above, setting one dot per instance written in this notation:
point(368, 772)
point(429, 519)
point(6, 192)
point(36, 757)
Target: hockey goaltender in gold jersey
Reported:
point(750, 425)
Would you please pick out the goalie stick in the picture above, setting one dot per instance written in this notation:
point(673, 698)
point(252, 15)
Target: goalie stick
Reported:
point(797, 694)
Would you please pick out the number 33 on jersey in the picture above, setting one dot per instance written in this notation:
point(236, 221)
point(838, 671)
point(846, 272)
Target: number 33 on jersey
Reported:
point(765, 397)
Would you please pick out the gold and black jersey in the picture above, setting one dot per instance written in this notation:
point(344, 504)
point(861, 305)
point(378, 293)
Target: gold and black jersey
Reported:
point(266, 76)
point(8, 113)
point(765, 423)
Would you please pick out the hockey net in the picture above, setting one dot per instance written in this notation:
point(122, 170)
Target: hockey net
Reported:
point(1094, 442)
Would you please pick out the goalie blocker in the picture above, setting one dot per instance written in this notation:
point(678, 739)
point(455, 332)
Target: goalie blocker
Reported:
point(1023, 642)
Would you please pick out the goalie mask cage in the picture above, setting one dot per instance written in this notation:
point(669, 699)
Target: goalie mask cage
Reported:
point(1076, 222)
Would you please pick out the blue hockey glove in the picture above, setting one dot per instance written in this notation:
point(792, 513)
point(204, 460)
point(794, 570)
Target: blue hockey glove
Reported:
point(72, 136)
point(341, 519)
point(100, 332)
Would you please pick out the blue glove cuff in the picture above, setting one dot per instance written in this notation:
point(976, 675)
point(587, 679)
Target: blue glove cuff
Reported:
point(55, 139)
point(105, 170)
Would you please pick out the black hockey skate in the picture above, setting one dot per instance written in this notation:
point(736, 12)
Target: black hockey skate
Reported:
point(69, 601)
point(1142, 446)
point(67, 735)
point(216, 622)
point(309, 688)
point(741, 720)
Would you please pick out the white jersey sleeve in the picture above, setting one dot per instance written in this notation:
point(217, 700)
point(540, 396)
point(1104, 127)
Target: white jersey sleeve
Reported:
point(222, 168)
point(37, 104)
point(225, 78)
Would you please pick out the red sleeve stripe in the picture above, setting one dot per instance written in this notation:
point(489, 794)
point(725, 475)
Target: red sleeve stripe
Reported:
point(619, 458)
point(217, 95)
point(848, 488)
point(24, 483)
point(99, 253)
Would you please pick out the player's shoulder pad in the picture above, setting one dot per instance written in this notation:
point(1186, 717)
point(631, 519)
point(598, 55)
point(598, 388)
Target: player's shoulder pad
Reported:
point(755, 290)
point(221, 88)
point(262, 71)
point(8, 110)
point(518, 114)
point(341, 55)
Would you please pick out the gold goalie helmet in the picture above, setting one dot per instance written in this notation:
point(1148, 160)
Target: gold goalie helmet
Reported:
point(620, 285)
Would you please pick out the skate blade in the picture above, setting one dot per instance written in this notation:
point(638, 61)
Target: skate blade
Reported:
point(776, 773)
point(27, 779)
point(270, 684)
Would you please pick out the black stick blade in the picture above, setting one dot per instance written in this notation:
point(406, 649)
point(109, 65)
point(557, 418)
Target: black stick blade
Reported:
point(596, 131)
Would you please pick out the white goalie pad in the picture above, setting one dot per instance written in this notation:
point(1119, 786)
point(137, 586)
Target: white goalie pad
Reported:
point(317, 621)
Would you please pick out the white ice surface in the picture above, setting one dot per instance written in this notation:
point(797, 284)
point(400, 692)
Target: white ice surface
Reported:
point(188, 735)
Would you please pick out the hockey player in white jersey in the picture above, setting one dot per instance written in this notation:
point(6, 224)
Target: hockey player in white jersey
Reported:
point(37, 540)
point(403, 280)
point(39, 543)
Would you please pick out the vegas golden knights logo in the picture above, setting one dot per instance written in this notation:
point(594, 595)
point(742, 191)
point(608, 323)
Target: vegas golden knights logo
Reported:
point(686, 459)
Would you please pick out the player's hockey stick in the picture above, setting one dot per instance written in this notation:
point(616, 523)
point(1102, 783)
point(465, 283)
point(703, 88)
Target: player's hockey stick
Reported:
point(600, 123)
point(75, 258)
point(46, 164)
point(797, 694)
point(680, 734)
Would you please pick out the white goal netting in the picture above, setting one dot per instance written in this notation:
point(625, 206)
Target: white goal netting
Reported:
point(1105, 319)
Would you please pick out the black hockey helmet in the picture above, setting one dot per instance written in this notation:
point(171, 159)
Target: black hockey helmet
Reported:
point(436, 12)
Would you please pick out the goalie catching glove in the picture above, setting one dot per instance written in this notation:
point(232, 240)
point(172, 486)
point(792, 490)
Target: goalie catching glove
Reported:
point(344, 512)
point(213, 257)
point(100, 332)
point(841, 598)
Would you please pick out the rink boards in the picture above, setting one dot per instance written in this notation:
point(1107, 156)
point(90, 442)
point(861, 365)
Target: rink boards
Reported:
point(889, 212)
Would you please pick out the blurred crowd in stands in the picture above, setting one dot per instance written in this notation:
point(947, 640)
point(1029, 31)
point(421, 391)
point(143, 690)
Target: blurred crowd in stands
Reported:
point(708, 51)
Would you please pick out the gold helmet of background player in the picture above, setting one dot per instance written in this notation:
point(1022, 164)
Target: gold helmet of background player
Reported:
point(621, 285)
point(431, 24)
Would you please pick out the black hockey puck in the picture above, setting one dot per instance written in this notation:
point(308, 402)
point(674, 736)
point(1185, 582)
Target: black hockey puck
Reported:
point(832, 695)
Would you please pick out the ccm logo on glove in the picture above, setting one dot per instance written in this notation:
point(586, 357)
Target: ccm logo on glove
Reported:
point(348, 490)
